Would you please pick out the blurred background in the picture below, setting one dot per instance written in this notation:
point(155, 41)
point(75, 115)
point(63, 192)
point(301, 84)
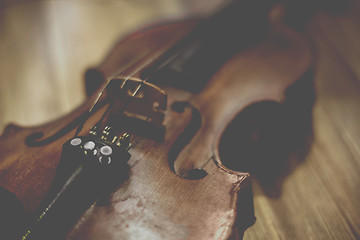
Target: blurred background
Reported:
point(46, 47)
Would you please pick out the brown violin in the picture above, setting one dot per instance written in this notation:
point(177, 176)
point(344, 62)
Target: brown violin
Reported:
point(156, 151)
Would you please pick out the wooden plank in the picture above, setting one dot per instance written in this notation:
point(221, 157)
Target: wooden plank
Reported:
point(320, 198)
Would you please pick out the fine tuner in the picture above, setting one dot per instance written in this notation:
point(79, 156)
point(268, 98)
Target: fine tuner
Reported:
point(90, 166)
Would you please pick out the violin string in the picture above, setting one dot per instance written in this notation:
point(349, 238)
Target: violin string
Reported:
point(108, 79)
point(153, 59)
point(142, 66)
point(88, 114)
point(137, 70)
point(136, 139)
point(163, 64)
point(148, 61)
point(127, 66)
point(97, 125)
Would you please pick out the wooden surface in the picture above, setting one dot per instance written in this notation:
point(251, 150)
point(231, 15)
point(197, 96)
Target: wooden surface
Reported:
point(320, 198)
point(45, 47)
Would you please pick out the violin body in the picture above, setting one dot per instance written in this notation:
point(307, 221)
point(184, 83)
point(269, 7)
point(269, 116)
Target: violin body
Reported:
point(179, 185)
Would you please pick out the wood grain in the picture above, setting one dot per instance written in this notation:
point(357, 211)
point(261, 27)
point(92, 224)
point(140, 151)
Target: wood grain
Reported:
point(45, 48)
point(320, 198)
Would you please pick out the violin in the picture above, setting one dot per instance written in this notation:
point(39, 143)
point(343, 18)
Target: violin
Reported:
point(146, 156)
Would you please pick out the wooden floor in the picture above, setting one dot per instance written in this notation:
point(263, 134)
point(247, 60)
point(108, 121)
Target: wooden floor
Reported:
point(321, 197)
point(45, 47)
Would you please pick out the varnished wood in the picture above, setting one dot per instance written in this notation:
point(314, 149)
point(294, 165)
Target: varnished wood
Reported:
point(216, 205)
point(319, 199)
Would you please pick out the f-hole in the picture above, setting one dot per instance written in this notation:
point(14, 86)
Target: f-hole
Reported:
point(191, 129)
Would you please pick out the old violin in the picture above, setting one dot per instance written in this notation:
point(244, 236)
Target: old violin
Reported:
point(145, 156)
